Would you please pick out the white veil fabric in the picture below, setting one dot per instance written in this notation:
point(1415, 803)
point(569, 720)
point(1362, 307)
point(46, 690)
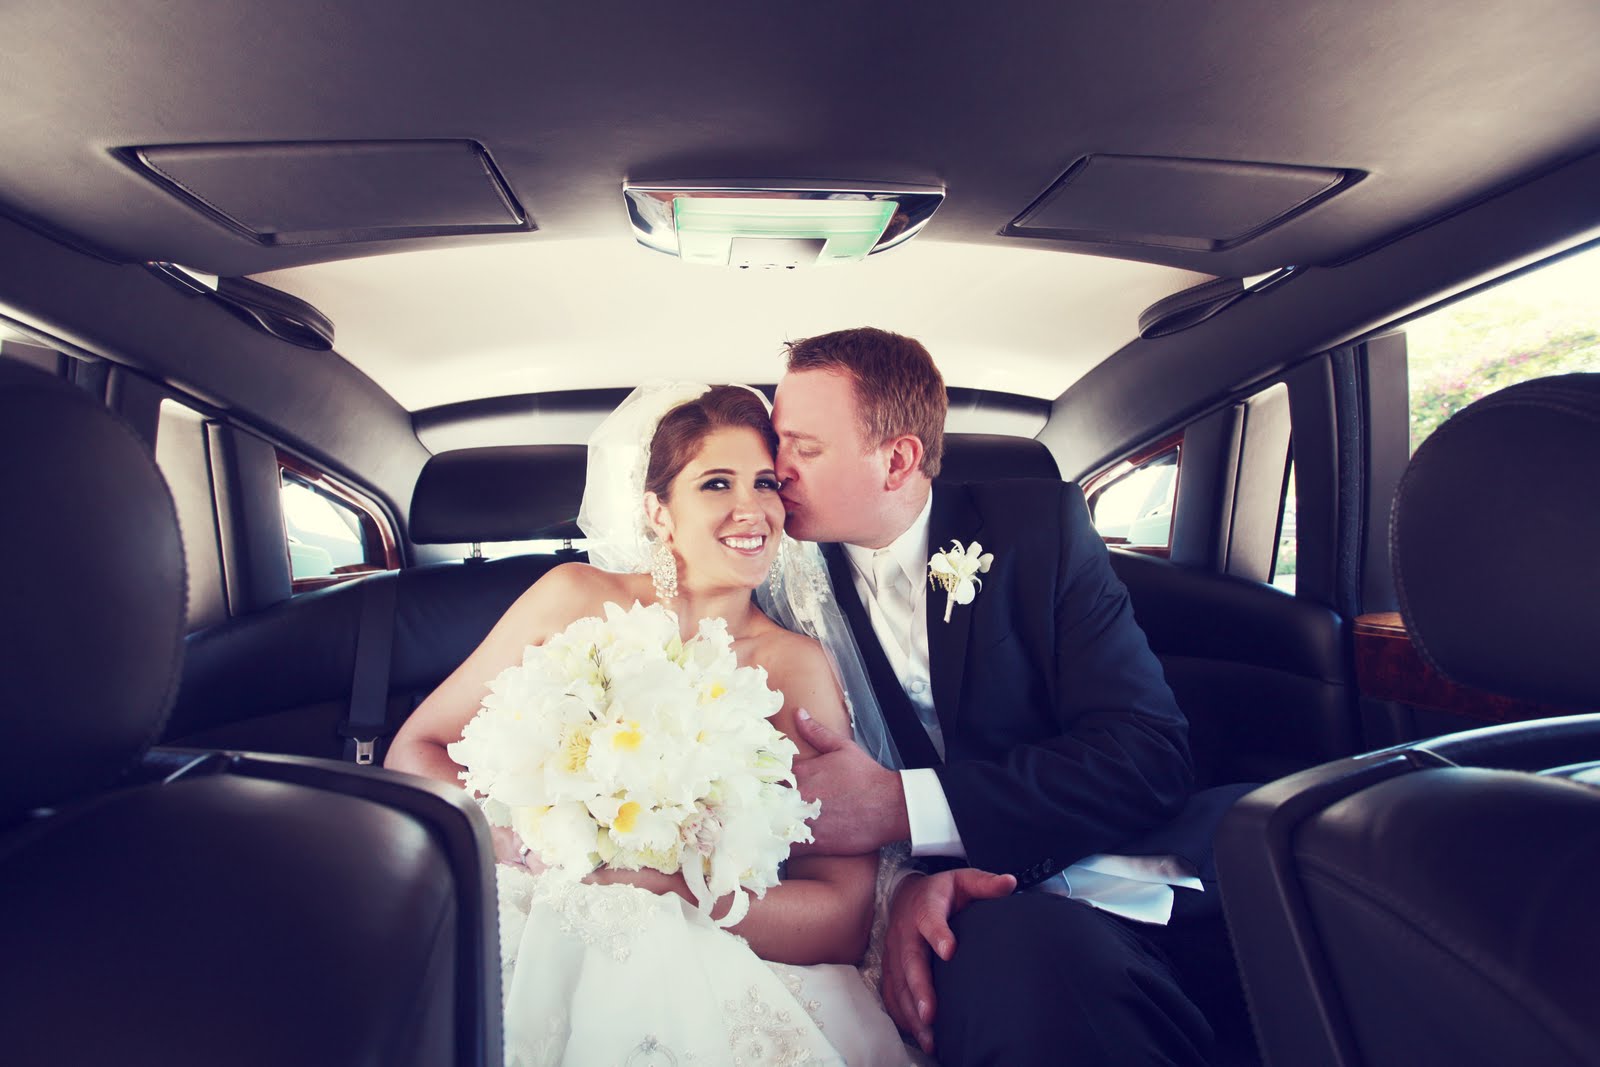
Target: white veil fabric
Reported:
point(612, 513)
point(800, 598)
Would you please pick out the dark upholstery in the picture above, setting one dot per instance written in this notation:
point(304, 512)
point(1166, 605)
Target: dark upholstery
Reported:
point(232, 908)
point(503, 493)
point(1494, 545)
point(93, 601)
point(1259, 675)
point(982, 457)
point(1433, 903)
point(281, 679)
point(237, 690)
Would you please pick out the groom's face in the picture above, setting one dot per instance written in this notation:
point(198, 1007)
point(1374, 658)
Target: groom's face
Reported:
point(833, 480)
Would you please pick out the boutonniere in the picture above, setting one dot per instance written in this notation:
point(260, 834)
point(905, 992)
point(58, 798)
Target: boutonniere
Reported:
point(956, 571)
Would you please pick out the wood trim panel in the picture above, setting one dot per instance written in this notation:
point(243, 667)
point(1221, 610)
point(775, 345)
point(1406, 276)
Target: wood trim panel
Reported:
point(302, 585)
point(1388, 667)
point(1164, 551)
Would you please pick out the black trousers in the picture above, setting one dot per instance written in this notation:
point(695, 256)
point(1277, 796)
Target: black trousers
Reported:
point(1041, 979)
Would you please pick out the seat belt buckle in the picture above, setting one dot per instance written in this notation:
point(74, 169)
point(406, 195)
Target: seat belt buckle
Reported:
point(362, 738)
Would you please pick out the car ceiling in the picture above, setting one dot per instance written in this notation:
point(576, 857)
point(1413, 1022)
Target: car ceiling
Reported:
point(1435, 105)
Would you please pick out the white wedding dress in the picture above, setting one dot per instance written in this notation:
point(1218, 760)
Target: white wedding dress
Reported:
point(603, 975)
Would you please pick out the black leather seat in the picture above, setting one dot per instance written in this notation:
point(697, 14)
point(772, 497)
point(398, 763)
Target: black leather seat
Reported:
point(235, 909)
point(981, 457)
point(1434, 903)
point(235, 690)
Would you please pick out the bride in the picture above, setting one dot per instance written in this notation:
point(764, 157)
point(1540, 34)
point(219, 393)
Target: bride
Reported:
point(624, 968)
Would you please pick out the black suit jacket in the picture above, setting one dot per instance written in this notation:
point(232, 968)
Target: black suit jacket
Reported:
point(1061, 737)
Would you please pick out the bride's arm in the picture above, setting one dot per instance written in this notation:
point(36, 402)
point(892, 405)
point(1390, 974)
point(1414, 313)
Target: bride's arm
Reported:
point(822, 911)
point(545, 608)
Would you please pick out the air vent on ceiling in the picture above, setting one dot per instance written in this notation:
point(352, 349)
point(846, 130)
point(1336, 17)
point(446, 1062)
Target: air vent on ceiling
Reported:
point(1203, 205)
point(338, 192)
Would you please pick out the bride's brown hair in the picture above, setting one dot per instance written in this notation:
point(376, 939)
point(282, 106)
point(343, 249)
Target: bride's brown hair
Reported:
point(683, 430)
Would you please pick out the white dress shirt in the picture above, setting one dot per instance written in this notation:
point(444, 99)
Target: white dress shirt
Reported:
point(891, 582)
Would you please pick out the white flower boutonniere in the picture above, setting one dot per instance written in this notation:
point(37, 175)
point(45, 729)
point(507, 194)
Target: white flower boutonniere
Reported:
point(956, 571)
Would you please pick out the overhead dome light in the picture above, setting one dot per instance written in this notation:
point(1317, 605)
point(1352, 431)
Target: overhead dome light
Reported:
point(782, 225)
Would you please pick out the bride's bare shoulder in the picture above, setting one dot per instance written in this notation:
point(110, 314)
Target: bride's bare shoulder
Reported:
point(797, 667)
point(780, 649)
point(574, 590)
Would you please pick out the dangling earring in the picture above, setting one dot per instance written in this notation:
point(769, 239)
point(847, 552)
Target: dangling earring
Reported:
point(663, 571)
point(775, 573)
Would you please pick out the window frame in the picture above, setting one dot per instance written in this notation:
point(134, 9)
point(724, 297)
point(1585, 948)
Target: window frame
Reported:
point(377, 535)
point(1128, 465)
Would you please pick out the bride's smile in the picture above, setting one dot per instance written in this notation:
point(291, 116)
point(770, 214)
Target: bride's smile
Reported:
point(746, 545)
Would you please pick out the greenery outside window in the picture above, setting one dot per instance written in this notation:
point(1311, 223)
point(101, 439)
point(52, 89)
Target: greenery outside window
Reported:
point(1542, 323)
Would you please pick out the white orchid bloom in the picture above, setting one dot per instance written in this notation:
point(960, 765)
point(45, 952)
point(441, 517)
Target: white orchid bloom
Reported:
point(617, 742)
point(956, 571)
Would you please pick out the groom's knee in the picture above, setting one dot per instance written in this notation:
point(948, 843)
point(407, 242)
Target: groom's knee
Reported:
point(1036, 978)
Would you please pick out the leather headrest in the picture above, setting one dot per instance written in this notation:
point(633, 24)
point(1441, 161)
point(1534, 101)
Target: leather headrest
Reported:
point(1495, 526)
point(507, 493)
point(981, 457)
point(92, 616)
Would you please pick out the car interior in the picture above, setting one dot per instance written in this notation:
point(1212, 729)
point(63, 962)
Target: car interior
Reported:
point(307, 310)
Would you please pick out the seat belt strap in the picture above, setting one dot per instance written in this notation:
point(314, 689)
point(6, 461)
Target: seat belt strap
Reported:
point(369, 682)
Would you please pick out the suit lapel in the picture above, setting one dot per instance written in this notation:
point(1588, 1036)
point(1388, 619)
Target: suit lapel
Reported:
point(916, 750)
point(953, 518)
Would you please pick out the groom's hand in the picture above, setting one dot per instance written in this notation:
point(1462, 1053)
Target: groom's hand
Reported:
point(919, 921)
point(863, 803)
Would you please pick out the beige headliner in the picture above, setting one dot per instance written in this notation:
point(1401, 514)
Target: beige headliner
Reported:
point(534, 314)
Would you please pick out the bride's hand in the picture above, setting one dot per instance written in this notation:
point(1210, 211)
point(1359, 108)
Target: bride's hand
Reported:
point(509, 849)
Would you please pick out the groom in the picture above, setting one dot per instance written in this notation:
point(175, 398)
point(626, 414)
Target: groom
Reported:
point(1036, 726)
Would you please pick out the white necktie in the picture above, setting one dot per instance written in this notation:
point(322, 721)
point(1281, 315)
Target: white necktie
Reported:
point(889, 582)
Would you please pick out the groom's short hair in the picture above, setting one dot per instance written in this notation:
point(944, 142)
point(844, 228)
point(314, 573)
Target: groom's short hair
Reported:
point(898, 389)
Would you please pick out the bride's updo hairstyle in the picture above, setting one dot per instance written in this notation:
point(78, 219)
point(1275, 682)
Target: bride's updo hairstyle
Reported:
point(683, 430)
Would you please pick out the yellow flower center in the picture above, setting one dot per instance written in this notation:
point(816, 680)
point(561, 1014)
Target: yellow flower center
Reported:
point(628, 738)
point(574, 752)
point(627, 815)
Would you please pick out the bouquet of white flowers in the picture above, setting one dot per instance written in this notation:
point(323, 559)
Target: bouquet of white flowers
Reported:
point(616, 742)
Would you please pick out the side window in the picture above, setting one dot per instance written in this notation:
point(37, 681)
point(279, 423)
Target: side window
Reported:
point(1542, 323)
point(543, 546)
point(1283, 560)
point(1132, 503)
point(331, 532)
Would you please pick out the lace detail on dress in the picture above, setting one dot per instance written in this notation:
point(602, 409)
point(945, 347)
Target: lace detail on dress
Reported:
point(652, 1053)
point(797, 989)
point(758, 1033)
point(601, 916)
point(890, 859)
point(542, 1052)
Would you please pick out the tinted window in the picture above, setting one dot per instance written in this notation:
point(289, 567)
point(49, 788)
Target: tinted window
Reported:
point(1542, 323)
point(1135, 508)
point(324, 535)
point(1283, 561)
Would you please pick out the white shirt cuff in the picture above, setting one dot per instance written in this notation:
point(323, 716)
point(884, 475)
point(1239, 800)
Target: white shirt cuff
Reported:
point(933, 828)
point(1168, 870)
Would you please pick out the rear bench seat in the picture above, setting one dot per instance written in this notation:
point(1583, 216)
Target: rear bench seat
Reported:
point(280, 680)
point(1257, 672)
